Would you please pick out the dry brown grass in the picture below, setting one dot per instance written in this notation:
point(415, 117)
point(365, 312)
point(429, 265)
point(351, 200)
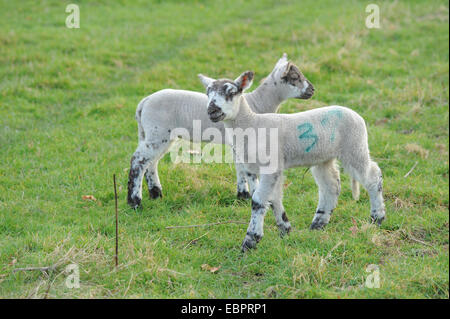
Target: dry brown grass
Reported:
point(417, 149)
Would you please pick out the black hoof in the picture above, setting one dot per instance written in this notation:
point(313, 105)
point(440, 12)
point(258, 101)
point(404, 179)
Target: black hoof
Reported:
point(250, 242)
point(317, 225)
point(284, 230)
point(243, 195)
point(155, 192)
point(134, 202)
point(376, 219)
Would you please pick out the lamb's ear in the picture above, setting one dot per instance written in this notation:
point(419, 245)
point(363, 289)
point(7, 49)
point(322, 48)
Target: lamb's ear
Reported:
point(244, 81)
point(282, 60)
point(287, 70)
point(205, 80)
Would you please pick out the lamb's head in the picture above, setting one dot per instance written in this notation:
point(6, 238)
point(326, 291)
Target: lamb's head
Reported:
point(224, 95)
point(289, 80)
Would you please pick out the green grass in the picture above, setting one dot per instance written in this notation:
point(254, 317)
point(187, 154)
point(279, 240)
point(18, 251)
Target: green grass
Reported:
point(67, 103)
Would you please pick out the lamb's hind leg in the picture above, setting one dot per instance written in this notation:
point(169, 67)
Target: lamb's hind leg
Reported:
point(139, 162)
point(153, 183)
point(159, 143)
point(372, 180)
point(151, 174)
point(327, 179)
point(260, 200)
point(367, 172)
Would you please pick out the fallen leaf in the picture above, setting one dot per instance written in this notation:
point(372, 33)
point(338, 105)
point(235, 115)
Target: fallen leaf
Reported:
point(209, 268)
point(354, 228)
point(13, 262)
point(381, 121)
point(286, 185)
point(89, 197)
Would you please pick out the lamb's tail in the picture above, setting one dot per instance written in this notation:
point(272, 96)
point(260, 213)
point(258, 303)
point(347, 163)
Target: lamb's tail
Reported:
point(355, 189)
point(139, 108)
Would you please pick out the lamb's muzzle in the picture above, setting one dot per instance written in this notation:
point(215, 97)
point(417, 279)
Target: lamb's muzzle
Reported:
point(308, 91)
point(215, 113)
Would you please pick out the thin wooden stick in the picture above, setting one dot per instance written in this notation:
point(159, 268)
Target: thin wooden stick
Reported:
point(419, 241)
point(205, 225)
point(414, 166)
point(195, 239)
point(116, 257)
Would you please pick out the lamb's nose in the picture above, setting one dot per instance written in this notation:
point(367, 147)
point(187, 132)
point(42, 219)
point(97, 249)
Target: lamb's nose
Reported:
point(212, 107)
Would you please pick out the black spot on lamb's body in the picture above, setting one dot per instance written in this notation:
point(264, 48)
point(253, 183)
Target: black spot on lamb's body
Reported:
point(257, 206)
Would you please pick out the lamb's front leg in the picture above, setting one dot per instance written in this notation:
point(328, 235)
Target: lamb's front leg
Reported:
point(260, 201)
point(244, 178)
point(242, 189)
point(283, 224)
point(252, 180)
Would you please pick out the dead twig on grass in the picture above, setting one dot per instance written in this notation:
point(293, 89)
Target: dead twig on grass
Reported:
point(412, 168)
point(195, 240)
point(46, 269)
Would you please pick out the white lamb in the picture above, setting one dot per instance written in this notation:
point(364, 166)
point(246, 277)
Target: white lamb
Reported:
point(314, 138)
point(159, 114)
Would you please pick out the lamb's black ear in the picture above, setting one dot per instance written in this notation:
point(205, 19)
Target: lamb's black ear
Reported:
point(244, 81)
point(287, 70)
point(205, 80)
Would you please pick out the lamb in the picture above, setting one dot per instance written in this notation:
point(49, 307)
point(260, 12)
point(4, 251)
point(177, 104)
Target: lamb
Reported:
point(161, 113)
point(315, 138)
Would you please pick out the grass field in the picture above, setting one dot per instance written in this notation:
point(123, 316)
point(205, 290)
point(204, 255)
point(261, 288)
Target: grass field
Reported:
point(67, 104)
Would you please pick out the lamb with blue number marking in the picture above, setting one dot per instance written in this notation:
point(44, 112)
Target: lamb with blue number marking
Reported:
point(315, 138)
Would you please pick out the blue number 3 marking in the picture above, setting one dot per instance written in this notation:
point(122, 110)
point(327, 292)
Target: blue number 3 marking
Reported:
point(308, 134)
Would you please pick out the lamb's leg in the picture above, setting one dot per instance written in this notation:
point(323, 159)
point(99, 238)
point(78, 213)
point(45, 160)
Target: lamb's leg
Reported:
point(327, 179)
point(260, 200)
point(153, 183)
point(284, 226)
point(252, 180)
point(367, 172)
point(159, 143)
point(151, 174)
point(139, 163)
point(242, 189)
point(372, 181)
